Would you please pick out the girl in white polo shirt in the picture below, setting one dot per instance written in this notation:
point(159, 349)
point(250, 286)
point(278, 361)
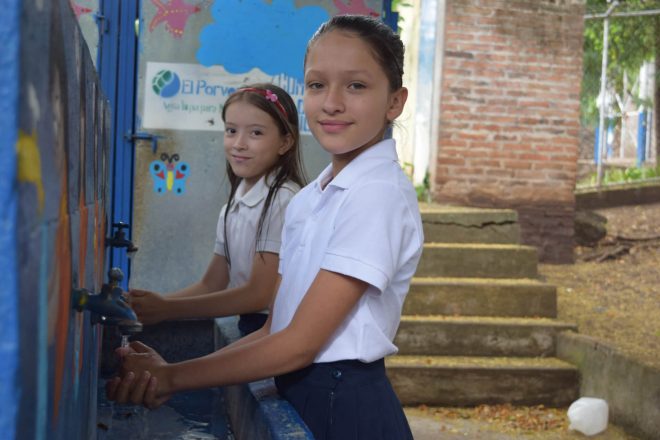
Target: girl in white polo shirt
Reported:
point(350, 246)
point(262, 146)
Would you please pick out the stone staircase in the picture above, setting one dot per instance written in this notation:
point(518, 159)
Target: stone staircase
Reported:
point(478, 325)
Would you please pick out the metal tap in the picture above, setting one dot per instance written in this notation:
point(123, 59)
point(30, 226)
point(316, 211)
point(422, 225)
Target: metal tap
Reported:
point(108, 307)
point(119, 240)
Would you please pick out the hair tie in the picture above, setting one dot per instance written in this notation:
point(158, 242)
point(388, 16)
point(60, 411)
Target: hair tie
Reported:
point(270, 96)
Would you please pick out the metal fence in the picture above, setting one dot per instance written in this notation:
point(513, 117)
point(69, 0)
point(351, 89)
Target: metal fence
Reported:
point(619, 141)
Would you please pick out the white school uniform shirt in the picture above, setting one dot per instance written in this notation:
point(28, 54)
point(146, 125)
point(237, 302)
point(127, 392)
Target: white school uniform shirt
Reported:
point(242, 226)
point(365, 224)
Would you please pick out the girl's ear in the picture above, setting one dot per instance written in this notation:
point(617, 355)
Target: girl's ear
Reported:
point(397, 102)
point(287, 143)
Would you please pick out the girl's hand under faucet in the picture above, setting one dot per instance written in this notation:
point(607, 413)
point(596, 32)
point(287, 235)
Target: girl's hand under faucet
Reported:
point(143, 377)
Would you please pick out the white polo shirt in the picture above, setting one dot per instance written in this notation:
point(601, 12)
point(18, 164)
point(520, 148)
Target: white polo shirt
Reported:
point(242, 227)
point(364, 224)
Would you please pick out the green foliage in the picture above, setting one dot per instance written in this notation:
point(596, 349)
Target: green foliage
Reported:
point(632, 42)
point(623, 175)
point(397, 6)
point(424, 189)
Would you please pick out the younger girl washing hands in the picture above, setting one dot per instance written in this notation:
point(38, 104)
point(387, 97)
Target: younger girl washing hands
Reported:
point(262, 149)
point(350, 246)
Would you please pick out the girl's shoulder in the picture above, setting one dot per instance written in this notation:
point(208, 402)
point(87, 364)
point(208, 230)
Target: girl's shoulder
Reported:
point(387, 181)
point(286, 192)
point(290, 186)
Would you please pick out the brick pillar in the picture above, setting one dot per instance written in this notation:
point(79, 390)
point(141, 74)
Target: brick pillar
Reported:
point(509, 114)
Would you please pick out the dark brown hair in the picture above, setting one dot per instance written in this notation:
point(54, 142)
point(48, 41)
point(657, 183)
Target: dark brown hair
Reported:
point(386, 45)
point(288, 166)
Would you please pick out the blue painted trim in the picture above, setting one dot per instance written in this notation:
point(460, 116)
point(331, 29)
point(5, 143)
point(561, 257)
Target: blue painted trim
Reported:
point(607, 146)
point(610, 137)
point(118, 66)
point(641, 138)
point(596, 142)
point(390, 17)
point(270, 416)
point(9, 86)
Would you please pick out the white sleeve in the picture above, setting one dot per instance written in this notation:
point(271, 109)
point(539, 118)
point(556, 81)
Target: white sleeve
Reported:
point(219, 247)
point(270, 239)
point(373, 233)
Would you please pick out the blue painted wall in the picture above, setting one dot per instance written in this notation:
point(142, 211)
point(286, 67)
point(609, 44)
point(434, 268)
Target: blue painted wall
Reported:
point(61, 194)
point(9, 28)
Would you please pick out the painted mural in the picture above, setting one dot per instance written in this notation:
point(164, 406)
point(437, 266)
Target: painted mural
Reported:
point(246, 42)
point(192, 54)
point(174, 15)
point(169, 174)
point(62, 154)
point(86, 12)
point(63, 162)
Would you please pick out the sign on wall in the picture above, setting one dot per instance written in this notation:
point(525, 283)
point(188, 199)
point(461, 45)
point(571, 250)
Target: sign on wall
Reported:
point(180, 96)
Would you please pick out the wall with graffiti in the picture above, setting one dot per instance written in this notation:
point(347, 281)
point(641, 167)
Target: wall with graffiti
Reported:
point(63, 163)
point(57, 207)
point(192, 55)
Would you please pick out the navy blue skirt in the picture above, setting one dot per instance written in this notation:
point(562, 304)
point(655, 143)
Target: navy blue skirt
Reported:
point(346, 400)
point(251, 322)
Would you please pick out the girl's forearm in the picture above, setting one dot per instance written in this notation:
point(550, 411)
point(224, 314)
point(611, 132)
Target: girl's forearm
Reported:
point(224, 303)
point(215, 278)
point(253, 296)
point(196, 289)
point(327, 303)
point(256, 359)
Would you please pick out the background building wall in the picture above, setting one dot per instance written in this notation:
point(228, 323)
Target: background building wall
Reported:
point(509, 114)
point(62, 194)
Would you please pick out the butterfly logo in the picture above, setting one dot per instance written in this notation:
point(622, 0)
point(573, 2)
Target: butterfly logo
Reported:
point(169, 174)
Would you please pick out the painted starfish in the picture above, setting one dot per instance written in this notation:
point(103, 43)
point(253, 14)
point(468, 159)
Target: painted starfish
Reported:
point(356, 7)
point(175, 14)
point(79, 10)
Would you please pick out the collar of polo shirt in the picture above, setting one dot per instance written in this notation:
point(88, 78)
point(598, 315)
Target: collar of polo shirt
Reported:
point(385, 149)
point(256, 194)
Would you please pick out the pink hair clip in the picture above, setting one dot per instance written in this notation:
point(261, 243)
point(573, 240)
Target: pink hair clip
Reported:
point(269, 95)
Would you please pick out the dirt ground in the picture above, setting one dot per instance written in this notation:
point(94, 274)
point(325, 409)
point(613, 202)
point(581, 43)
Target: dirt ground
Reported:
point(612, 293)
point(499, 422)
point(617, 299)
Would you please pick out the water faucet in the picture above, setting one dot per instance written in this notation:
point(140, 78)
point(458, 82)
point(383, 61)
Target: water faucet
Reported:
point(119, 240)
point(108, 307)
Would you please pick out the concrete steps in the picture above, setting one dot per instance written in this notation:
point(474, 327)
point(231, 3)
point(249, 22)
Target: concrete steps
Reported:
point(471, 381)
point(447, 224)
point(478, 326)
point(523, 297)
point(476, 260)
point(478, 336)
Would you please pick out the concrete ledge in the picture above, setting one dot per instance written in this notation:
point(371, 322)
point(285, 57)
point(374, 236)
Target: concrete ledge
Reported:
point(255, 410)
point(618, 195)
point(631, 389)
point(478, 336)
point(472, 381)
point(469, 225)
point(481, 297)
point(477, 261)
